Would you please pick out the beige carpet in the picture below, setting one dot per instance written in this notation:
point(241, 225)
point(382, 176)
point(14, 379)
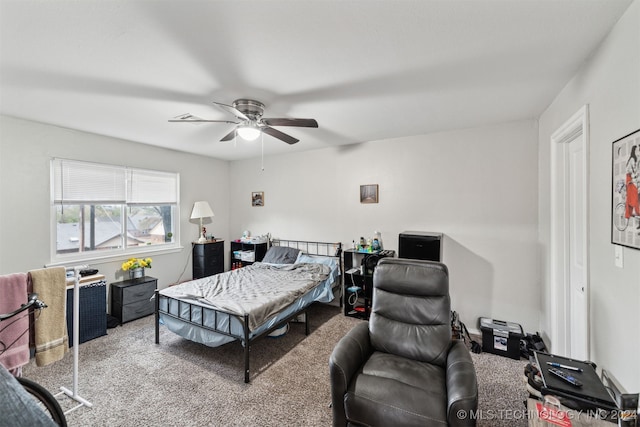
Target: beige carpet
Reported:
point(133, 382)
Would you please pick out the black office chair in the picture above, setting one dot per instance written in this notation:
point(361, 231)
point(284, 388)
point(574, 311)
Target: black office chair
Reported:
point(402, 368)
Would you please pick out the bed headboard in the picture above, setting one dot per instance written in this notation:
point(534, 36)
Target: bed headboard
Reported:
point(311, 248)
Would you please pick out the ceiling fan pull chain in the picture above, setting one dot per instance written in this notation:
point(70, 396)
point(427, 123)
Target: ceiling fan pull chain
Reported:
point(262, 149)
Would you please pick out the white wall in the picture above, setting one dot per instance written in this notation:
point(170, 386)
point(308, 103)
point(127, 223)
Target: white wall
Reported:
point(610, 84)
point(477, 186)
point(25, 151)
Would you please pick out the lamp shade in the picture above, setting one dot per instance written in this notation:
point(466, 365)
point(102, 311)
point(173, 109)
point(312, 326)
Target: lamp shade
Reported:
point(201, 210)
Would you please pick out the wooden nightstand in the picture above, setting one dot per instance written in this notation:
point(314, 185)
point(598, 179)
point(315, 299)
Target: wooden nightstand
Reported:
point(131, 299)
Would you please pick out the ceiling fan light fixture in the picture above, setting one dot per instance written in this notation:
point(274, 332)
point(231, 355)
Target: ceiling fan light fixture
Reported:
point(248, 132)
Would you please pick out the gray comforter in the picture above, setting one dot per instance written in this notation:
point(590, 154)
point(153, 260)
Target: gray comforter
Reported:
point(260, 290)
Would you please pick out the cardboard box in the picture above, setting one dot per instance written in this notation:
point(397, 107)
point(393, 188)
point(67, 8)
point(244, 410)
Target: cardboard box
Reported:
point(501, 338)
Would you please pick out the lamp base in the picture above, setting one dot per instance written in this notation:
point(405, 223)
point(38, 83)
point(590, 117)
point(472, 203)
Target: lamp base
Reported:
point(202, 240)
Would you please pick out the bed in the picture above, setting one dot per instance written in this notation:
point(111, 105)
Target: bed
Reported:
point(249, 303)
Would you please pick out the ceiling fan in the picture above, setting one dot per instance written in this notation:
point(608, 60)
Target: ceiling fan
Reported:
point(250, 123)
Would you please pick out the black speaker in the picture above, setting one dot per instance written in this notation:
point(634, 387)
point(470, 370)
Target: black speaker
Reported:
point(369, 263)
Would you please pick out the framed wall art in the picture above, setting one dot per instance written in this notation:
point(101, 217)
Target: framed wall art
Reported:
point(369, 193)
point(257, 198)
point(625, 197)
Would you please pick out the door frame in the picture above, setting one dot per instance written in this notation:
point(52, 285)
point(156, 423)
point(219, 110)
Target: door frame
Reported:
point(559, 295)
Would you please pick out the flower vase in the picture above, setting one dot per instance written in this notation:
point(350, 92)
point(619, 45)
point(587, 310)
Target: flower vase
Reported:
point(136, 273)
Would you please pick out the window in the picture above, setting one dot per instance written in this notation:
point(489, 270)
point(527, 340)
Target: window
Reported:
point(102, 210)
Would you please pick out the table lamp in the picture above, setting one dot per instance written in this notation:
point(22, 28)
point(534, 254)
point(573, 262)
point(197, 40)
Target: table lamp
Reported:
point(201, 210)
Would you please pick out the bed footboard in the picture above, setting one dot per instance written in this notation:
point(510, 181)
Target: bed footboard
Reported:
point(245, 336)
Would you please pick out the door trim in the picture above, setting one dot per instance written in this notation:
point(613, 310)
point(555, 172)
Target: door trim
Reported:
point(576, 127)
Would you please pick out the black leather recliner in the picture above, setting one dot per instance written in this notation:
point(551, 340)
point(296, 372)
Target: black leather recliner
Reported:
point(401, 368)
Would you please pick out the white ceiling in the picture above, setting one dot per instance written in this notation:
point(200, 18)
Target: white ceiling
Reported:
point(365, 70)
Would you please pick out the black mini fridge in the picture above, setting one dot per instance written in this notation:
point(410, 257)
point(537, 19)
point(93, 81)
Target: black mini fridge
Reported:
point(420, 245)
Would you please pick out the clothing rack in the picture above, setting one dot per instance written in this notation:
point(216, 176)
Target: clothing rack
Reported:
point(73, 393)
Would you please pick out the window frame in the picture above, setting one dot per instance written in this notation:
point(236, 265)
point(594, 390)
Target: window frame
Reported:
point(125, 251)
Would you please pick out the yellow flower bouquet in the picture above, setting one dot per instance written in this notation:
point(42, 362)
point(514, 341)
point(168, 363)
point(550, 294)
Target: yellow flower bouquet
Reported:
point(133, 263)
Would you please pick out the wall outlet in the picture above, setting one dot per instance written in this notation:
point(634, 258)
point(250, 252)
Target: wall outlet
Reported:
point(619, 261)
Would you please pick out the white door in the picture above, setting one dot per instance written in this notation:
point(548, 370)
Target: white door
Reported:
point(569, 300)
point(577, 250)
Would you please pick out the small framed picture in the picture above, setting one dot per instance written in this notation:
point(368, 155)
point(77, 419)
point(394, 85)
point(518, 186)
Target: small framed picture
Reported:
point(369, 193)
point(257, 198)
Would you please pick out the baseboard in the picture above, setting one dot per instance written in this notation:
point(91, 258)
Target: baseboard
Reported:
point(473, 331)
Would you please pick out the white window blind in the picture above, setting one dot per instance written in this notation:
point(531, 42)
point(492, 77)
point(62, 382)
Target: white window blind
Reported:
point(83, 182)
point(147, 186)
point(76, 182)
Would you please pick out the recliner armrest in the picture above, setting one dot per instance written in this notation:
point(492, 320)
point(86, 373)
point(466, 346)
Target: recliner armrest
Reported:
point(347, 358)
point(462, 386)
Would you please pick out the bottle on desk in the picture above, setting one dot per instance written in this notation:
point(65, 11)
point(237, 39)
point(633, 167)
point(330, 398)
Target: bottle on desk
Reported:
point(377, 236)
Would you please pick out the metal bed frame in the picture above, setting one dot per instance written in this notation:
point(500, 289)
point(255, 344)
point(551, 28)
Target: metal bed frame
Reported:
point(321, 248)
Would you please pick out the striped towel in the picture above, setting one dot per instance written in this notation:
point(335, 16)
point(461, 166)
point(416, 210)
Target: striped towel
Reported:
point(14, 331)
point(51, 327)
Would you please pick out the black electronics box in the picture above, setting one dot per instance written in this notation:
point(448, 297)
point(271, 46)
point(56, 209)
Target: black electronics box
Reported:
point(501, 338)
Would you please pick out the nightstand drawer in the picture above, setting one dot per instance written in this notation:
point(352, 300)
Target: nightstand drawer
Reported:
point(140, 292)
point(136, 310)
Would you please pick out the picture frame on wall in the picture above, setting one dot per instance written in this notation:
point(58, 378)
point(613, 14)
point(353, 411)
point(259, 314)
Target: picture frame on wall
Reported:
point(369, 193)
point(625, 193)
point(257, 198)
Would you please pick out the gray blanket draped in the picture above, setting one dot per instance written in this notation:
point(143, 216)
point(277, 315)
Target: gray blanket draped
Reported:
point(259, 290)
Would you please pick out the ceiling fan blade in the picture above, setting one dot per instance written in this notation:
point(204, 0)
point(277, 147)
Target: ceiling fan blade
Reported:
point(190, 118)
point(233, 110)
point(306, 123)
point(201, 121)
point(280, 135)
point(230, 136)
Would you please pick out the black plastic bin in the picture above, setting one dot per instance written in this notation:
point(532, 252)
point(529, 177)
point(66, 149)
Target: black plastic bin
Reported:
point(500, 337)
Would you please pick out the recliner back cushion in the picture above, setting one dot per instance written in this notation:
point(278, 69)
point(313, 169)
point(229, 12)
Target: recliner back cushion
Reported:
point(411, 310)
